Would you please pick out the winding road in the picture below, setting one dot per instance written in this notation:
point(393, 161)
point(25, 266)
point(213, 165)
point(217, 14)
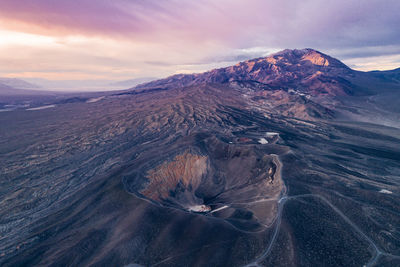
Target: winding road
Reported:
point(377, 252)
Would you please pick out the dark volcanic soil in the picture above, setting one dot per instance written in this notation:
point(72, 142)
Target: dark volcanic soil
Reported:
point(212, 173)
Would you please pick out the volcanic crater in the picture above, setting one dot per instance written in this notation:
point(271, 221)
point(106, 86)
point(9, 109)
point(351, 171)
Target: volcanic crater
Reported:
point(214, 177)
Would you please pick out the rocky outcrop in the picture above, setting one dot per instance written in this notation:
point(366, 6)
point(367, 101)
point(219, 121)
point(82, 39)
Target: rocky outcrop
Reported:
point(184, 171)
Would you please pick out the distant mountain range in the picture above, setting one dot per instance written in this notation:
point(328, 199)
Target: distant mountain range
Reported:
point(302, 83)
point(13, 86)
point(32, 86)
point(306, 70)
point(18, 83)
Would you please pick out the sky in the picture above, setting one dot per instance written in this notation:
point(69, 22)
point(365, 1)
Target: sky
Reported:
point(127, 39)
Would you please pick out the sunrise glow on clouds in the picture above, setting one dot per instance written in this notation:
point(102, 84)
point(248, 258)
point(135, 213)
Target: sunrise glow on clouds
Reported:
point(121, 39)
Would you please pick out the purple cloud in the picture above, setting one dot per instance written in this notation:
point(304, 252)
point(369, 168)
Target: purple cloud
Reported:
point(243, 23)
point(206, 32)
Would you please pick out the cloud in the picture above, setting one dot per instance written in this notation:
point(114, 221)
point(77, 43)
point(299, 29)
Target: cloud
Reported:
point(130, 38)
point(368, 51)
point(240, 23)
point(374, 62)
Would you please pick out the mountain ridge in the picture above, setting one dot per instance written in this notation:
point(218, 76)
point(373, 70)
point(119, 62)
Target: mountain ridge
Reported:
point(306, 70)
point(18, 83)
point(287, 66)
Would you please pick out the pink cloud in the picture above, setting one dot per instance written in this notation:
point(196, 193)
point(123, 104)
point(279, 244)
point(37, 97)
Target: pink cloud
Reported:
point(247, 23)
point(200, 32)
